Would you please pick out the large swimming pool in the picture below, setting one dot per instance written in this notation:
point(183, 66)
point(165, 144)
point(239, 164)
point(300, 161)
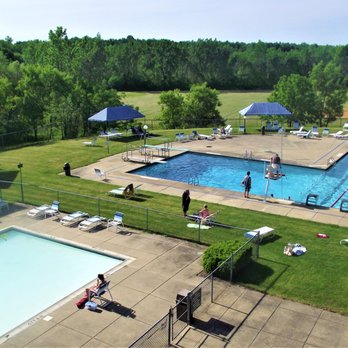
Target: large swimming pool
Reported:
point(228, 172)
point(36, 272)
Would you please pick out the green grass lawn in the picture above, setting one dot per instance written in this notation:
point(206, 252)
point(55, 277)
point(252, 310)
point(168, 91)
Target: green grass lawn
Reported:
point(231, 102)
point(318, 278)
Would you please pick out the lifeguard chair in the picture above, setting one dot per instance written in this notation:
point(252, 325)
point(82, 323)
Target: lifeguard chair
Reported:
point(271, 174)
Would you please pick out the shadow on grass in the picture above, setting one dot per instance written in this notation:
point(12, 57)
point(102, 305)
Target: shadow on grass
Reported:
point(257, 273)
point(8, 176)
point(270, 239)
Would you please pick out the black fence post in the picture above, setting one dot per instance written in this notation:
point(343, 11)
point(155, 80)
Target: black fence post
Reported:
point(199, 230)
point(189, 309)
point(231, 269)
point(170, 324)
point(147, 219)
point(257, 245)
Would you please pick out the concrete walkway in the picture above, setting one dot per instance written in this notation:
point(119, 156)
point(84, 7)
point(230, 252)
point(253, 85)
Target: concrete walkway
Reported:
point(144, 290)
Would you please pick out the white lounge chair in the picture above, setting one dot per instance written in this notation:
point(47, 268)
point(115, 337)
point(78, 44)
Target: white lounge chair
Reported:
point(128, 191)
point(338, 135)
point(116, 221)
point(74, 218)
point(315, 131)
point(241, 129)
point(296, 124)
point(100, 173)
point(181, 137)
point(93, 142)
point(345, 126)
point(325, 132)
point(262, 231)
point(295, 132)
point(91, 223)
point(38, 211)
point(109, 135)
point(53, 210)
point(215, 132)
point(205, 137)
point(228, 132)
point(306, 135)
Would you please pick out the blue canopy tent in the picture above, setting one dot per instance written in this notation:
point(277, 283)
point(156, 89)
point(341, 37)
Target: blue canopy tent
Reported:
point(258, 109)
point(264, 109)
point(116, 113)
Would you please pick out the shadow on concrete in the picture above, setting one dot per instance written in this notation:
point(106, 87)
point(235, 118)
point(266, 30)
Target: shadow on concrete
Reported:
point(118, 308)
point(213, 326)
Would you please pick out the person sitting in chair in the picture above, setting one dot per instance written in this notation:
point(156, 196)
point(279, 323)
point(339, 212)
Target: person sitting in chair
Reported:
point(275, 163)
point(204, 214)
point(94, 289)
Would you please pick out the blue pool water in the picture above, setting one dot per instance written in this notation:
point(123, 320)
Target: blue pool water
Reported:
point(37, 272)
point(228, 172)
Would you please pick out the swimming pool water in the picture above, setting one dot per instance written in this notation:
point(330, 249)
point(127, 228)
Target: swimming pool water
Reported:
point(37, 272)
point(228, 172)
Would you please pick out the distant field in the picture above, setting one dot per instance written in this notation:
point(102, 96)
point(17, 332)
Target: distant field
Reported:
point(231, 102)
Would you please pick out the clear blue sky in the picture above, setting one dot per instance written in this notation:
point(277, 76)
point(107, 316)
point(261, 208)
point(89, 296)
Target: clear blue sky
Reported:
point(311, 21)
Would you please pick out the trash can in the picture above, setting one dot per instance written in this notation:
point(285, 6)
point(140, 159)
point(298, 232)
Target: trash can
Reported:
point(263, 130)
point(67, 169)
point(182, 305)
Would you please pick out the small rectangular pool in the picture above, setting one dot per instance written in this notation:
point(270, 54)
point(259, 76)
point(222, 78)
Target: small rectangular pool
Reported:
point(38, 271)
point(227, 173)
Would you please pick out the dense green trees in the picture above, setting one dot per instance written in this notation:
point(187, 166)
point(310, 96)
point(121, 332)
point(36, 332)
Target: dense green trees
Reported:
point(197, 108)
point(65, 80)
point(318, 98)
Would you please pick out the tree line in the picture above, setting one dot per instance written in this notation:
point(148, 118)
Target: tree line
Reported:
point(65, 80)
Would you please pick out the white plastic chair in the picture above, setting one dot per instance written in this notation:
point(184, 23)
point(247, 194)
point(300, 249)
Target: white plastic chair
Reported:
point(116, 221)
point(99, 173)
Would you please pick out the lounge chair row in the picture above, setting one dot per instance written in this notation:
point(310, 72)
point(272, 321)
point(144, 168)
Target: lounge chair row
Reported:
point(81, 219)
point(315, 133)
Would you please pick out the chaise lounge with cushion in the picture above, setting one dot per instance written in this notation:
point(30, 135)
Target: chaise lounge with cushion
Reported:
point(40, 211)
point(74, 218)
point(262, 232)
point(92, 223)
point(128, 191)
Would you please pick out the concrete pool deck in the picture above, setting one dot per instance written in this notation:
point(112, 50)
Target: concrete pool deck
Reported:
point(144, 290)
point(316, 153)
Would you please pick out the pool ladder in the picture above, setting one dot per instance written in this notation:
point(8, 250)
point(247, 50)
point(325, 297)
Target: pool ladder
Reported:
point(193, 180)
point(248, 154)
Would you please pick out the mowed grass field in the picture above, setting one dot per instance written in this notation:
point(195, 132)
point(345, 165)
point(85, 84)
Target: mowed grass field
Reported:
point(231, 102)
point(308, 279)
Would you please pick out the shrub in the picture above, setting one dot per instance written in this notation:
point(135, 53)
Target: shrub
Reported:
point(217, 253)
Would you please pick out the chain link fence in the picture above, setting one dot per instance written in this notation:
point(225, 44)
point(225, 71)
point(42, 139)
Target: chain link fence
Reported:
point(135, 216)
point(195, 303)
